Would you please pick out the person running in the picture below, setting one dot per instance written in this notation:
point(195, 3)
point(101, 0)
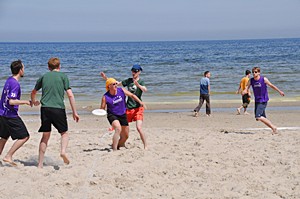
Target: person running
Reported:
point(204, 94)
point(134, 111)
point(259, 87)
point(53, 85)
point(246, 97)
point(115, 101)
point(11, 125)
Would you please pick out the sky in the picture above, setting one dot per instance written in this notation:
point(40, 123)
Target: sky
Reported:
point(147, 20)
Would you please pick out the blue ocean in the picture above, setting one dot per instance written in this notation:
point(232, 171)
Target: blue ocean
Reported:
point(171, 70)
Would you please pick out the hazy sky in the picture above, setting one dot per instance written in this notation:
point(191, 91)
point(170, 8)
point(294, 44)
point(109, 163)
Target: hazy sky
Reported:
point(147, 20)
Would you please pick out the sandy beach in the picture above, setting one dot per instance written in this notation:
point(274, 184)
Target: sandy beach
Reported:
point(222, 156)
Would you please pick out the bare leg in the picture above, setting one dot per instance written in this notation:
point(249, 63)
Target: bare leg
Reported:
point(2, 144)
point(64, 145)
point(245, 111)
point(115, 140)
point(123, 136)
point(239, 110)
point(268, 123)
point(142, 134)
point(13, 149)
point(43, 147)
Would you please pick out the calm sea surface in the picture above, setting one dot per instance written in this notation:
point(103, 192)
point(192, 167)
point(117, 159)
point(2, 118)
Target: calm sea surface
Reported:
point(172, 70)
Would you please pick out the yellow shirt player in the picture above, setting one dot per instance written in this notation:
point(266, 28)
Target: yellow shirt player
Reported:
point(246, 97)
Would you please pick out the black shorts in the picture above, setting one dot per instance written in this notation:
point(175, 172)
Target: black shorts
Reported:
point(246, 100)
point(121, 118)
point(55, 116)
point(13, 127)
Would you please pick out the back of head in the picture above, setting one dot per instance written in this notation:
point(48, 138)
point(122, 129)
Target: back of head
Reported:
point(205, 73)
point(16, 66)
point(247, 72)
point(53, 63)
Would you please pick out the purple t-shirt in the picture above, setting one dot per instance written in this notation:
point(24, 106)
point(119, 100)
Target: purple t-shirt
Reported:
point(11, 90)
point(116, 104)
point(260, 89)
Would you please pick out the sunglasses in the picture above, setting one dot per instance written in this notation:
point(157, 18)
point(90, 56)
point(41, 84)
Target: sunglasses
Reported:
point(114, 84)
point(135, 70)
point(255, 71)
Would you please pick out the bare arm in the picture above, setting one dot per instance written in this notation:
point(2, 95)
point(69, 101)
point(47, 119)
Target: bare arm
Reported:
point(247, 89)
point(133, 96)
point(208, 89)
point(72, 103)
point(103, 103)
point(143, 88)
point(33, 98)
point(14, 102)
point(239, 89)
point(105, 78)
point(273, 86)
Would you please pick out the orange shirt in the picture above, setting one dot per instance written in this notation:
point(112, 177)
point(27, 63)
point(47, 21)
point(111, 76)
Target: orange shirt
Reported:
point(243, 83)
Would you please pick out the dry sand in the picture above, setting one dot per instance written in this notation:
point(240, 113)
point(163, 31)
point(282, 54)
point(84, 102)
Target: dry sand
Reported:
point(222, 156)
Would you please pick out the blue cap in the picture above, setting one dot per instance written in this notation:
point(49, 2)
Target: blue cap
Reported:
point(136, 67)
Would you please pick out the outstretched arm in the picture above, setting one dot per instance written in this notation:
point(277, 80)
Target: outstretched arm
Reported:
point(143, 88)
point(133, 96)
point(14, 102)
point(72, 103)
point(273, 86)
point(102, 74)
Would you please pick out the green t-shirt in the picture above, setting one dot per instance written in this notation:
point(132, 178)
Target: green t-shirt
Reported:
point(131, 104)
point(53, 85)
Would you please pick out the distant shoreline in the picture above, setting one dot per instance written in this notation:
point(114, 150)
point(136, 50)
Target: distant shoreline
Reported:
point(85, 107)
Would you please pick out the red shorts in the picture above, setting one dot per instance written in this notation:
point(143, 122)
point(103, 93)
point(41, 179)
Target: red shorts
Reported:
point(135, 114)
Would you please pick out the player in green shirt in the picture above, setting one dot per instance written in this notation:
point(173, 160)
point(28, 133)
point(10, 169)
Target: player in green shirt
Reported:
point(135, 112)
point(54, 84)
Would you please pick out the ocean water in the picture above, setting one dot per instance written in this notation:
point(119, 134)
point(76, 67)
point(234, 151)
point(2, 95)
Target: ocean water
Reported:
point(172, 70)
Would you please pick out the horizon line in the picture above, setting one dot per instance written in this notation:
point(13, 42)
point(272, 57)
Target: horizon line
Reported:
point(145, 41)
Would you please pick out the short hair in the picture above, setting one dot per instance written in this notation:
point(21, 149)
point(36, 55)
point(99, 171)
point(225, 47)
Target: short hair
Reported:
point(16, 66)
point(248, 72)
point(205, 73)
point(53, 63)
point(255, 68)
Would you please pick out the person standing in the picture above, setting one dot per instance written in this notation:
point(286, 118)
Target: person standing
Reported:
point(245, 97)
point(11, 125)
point(114, 99)
point(53, 85)
point(204, 94)
point(134, 111)
point(260, 90)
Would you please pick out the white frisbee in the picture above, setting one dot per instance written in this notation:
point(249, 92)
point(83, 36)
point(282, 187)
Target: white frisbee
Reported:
point(100, 112)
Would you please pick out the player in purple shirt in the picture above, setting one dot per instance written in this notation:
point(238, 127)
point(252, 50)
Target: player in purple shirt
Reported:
point(11, 125)
point(115, 101)
point(260, 90)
